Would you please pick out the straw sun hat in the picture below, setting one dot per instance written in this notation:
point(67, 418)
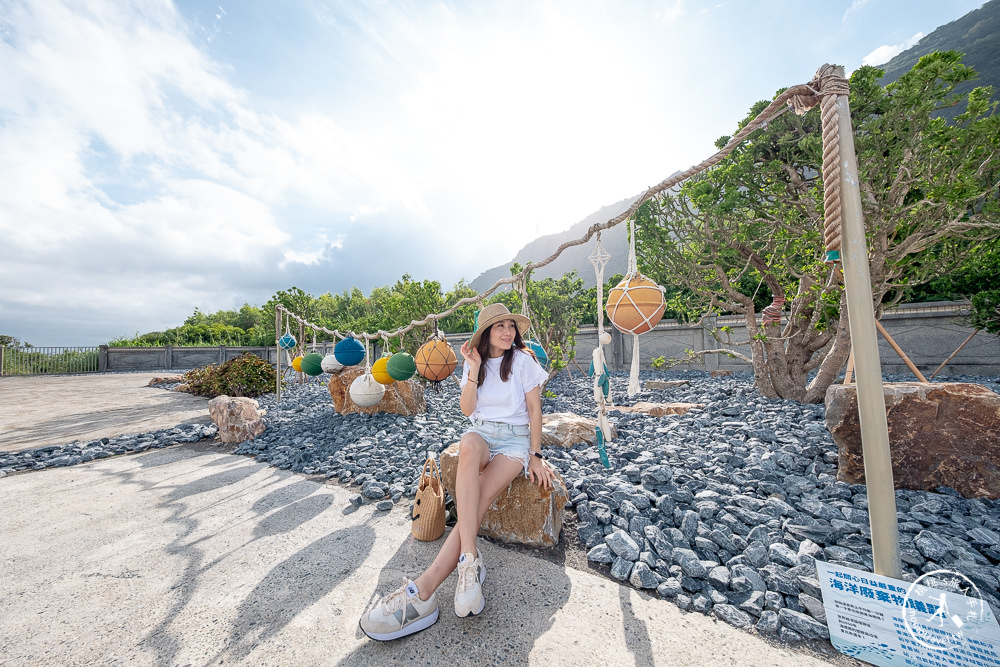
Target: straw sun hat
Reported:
point(497, 312)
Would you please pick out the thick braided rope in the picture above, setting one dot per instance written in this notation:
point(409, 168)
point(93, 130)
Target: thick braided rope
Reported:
point(825, 85)
point(831, 86)
point(831, 176)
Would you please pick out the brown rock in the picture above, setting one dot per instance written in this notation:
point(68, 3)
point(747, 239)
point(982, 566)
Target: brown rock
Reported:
point(238, 418)
point(170, 379)
point(565, 429)
point(401, 398)
point(655, 385)
point(661, 409)
point(940, 434)
point(524, 513)
point(720, 374)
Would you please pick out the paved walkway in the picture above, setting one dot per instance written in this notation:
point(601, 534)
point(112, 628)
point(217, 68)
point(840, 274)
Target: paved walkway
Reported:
point(190, 555)
point(41, 410)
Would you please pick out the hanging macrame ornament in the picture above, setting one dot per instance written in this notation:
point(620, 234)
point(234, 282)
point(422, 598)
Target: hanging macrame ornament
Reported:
point(380, 373)
point(435, 360)
point(540, 354)
point(312, 364)
point(365, 391)
point(330, 364)
point(287, 342)
point(635, 305)
point(349, 351)
point(297, 363)
point(401, 366)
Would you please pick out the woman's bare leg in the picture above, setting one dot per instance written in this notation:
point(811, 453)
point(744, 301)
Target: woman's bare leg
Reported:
point(475, 492)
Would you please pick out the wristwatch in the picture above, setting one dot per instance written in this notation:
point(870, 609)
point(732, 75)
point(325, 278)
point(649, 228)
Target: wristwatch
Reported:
point(538, 455)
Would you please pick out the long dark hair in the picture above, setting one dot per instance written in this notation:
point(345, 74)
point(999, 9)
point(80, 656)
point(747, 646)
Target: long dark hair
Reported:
point(507, 363)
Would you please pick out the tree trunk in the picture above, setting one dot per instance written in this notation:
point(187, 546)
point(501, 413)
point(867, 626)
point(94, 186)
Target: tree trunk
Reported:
point(834, 360)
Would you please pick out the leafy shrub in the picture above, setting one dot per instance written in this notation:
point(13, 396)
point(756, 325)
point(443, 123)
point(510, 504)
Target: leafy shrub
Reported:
point(246, 375)
point(986, 311)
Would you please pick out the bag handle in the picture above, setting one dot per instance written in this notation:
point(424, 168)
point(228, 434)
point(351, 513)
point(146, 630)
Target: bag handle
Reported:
point(435, 473)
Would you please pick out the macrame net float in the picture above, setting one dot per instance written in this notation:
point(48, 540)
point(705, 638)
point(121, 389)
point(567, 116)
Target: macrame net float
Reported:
point(287, 342)
point(635, 305)
point(297, 364)
point(330, 364)
point(349, 351)
point(365, 391)
point(380, 373)
point(312, 364)
point(540, 354)
point(401, 366)
point(435, 360)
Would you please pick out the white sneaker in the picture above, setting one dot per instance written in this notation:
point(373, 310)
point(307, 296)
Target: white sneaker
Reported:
point(400, 613)
point(469, 598)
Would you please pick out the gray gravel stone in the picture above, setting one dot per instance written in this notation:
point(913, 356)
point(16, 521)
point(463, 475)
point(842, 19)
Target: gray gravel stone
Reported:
point(601, 554)
point(623, 545)
point(621, 568)
point(733, 616)
point(670, 588)
point(807, 627)
point(814, 607)
point(690, 563)
point(768, 623)
point(643, 577)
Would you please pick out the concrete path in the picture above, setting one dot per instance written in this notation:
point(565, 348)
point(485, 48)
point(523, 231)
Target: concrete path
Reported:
point(191, 556)
point(41, 410)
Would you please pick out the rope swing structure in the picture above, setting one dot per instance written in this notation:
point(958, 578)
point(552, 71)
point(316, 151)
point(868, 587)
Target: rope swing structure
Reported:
point(844, 245)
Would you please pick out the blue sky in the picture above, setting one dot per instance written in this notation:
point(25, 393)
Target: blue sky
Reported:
point(157, 157)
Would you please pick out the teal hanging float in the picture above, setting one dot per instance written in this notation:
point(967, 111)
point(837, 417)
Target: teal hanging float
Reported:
point(349, 352)
point(540, 354)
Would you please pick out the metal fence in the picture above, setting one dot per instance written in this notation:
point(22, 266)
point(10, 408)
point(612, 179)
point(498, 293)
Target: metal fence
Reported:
point(43, 360)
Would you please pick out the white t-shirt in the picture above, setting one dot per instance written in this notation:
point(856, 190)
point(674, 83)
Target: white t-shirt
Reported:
point(500, 401)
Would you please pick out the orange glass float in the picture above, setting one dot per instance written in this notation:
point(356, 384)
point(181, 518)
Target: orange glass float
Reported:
point(435, 360)
point(635, 305)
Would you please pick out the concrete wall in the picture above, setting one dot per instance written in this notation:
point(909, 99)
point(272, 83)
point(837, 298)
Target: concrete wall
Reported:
point(928, 333)
point(172, 358)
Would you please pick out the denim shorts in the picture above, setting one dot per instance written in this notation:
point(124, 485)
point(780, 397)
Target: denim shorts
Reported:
point(510, 440)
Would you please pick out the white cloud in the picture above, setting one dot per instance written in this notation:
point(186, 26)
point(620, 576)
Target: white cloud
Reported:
point(856, 5)
point(887, 52)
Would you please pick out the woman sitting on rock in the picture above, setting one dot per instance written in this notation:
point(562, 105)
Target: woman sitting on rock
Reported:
point(501, 394)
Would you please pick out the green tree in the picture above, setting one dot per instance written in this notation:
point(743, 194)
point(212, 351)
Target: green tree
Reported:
point(556, 308)
point(756, 219)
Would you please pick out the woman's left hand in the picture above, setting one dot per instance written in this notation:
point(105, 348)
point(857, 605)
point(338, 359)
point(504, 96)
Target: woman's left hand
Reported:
point(540, 472)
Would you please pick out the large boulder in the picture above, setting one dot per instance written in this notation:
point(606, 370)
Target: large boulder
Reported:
point(940, 434)
point(237, 417)
point(524, 513)
point(401, 398)
point(565, 429)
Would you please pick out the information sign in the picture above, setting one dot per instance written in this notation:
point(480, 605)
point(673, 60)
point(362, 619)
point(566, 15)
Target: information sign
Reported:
point(894, 623)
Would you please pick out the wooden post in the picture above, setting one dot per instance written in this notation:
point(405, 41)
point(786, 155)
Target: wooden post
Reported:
point(864, 343)
point(943, 363)
point(277, 345)
point(899, 351)
point(850, 367)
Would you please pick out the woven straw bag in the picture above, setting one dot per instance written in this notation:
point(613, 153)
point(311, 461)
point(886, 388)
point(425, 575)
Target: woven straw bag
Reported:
point(428, 508)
